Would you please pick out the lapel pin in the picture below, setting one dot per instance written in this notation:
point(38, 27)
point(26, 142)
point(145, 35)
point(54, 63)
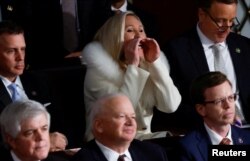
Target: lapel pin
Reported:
point(240, 140)
point(237, 50)
point(9, 8)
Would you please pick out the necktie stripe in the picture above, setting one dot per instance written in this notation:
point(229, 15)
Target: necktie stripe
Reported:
point(225, 141)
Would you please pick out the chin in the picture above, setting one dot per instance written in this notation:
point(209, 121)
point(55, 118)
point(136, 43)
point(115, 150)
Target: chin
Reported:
point(42, 155)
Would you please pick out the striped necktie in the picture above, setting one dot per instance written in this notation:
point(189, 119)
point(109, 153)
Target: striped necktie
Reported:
point(225, 141)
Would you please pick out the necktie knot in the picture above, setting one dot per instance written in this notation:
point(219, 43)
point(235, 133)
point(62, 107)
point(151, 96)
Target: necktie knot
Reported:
point(15, 95)
point(225, 141)
point(118, 11)
point(121, 157)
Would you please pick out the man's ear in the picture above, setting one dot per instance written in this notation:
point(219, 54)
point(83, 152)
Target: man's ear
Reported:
point(201, 14)
point(201, 109)
point(98, 125)
point(10, 141)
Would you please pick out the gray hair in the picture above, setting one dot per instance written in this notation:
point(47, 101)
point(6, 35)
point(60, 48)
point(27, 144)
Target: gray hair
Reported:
point(98, 107)
point(13, 115)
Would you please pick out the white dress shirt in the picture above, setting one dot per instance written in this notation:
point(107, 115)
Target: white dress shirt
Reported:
point(123, 8)
point(112, 155)
point(216, 138)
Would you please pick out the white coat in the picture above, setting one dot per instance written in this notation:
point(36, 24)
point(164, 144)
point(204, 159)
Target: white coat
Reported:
point(147, 86)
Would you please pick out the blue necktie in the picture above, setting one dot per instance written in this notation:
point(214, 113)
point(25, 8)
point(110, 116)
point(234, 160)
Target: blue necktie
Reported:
point(15, 95)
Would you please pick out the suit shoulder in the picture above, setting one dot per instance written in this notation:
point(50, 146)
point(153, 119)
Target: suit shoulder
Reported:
point(191, 137)
point(145, 145)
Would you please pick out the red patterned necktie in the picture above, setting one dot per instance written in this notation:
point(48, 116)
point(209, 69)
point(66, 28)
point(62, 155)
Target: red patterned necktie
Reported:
point(121, 157)
point(225, 141)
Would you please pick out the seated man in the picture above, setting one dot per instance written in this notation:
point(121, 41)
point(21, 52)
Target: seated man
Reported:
point(114, 128)
point(214, 101)
point(12, 66)
point(25, 130)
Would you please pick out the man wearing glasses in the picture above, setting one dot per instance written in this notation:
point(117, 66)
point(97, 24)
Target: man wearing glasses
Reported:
point(214, 100)
point(194, 53)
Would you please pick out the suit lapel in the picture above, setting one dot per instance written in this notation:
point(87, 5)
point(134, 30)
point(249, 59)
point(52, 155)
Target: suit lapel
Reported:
point(240, 65)
point(237, 138)
point(236, 55)
point(5, 98)
point(197, 52)
point(203, 142)
point(97, 153)
point(135, 153)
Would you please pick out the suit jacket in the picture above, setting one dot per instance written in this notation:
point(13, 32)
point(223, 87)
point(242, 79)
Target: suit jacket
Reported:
point(194, 146)
point(6, 156)
point(139, 151)
point(57, 87)
point(34, 85)
point(187, 61)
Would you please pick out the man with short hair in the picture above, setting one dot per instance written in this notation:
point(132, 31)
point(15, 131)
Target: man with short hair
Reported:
point(12, 65)
point(25, 130)
point(214, 100)
point(194, 53)
point(114, 128)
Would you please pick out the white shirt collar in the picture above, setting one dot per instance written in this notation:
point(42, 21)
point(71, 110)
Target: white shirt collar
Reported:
point(112, 155)
point(205, 41)
point(216, 138)
point(7, 82)
point(123, 8)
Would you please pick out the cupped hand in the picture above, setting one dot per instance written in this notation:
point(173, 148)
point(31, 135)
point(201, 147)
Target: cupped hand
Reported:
point(132, 51)
point(151, 49)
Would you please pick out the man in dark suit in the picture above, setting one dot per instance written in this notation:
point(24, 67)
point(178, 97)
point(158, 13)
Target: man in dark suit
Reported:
point(191, 55)
point(214, 100)
point(114, 129)
point(12, 55)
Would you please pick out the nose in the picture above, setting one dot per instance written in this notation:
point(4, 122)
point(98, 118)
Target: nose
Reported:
point(226, 103)
point(39, 135)
point(138, 34)
point(20, 55)
point(130, 121)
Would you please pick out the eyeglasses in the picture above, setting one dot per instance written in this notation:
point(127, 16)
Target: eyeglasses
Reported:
point(220, 22)
point(220, 101)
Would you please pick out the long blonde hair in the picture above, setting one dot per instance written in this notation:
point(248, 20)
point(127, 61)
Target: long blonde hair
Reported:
point(111, 35)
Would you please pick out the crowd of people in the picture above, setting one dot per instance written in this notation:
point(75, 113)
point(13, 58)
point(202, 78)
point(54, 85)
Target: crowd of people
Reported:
point(200, 78)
